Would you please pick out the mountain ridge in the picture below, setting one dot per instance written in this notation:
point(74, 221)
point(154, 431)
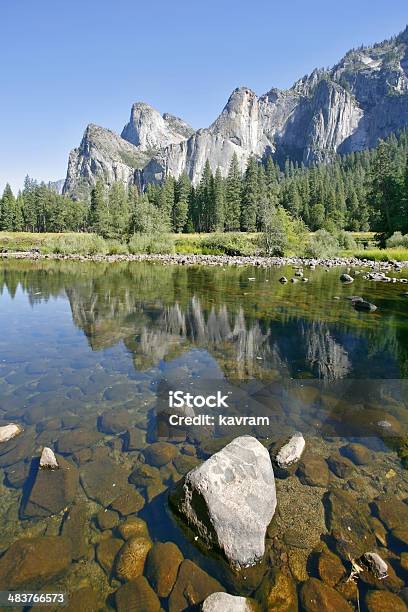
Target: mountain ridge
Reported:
point(346, 108)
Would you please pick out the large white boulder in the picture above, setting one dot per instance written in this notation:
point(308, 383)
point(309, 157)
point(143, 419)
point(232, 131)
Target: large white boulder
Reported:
point(230, 500)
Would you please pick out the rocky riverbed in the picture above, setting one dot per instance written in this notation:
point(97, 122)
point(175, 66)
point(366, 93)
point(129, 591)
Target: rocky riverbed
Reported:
point(306, 513)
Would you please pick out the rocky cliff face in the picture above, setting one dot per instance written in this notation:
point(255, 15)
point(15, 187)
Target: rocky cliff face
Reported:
point(348, 108)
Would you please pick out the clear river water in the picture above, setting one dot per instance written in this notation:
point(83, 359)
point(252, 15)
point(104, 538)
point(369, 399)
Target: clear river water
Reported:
point(88, 354)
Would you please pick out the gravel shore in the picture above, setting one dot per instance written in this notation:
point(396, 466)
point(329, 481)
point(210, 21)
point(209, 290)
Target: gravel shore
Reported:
point(215, 260)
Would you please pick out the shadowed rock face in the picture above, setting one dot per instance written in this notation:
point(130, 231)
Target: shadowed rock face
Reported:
point(341, 110)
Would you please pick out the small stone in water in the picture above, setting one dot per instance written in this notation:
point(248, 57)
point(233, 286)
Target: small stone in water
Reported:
point(7, 432)
point(48, 460)
point(346, 278)
point(283, 280)
point(364, 306)
point(375, 564)
point(292, 451)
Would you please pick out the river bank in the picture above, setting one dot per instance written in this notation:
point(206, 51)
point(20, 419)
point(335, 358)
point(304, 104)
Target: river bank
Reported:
point(215, 260)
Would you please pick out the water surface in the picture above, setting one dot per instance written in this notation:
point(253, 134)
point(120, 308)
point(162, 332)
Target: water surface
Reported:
point(79, 340)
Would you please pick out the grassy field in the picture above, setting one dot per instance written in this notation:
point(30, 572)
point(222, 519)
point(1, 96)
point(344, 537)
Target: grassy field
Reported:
point(397, 254)
point(237, 243)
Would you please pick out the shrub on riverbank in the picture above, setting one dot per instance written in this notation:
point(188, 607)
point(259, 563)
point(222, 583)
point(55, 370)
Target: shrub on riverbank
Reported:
point(151, 243)
point(80, 244)
point(228, 244)
point(322, 244)
point(397, 240)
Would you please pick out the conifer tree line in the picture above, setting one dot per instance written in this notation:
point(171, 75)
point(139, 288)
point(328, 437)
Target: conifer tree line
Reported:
point(359, 192)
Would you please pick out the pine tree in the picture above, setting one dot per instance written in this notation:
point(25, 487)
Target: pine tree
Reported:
point(18, 216)
point(233, 196)
point(219, 202)
point(205, 201)
point(181, 203)
point(166, 198)
point(385, 194)
point(119, 210)
point(99, 220)
point(317, 216)
point(30, 205)
point(250, 197)
point(7, 209)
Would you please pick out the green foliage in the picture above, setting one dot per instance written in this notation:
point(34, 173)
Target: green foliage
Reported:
point(403, 451)
point(346, 241)
point(228, 244)
point(397, 254)
point(148, 218)
point(397, 240)
point(80, 244)
point(181, 203)
point(282, 234)
point(322, 244)
point(233, 190)
point(7, 209)
point(151, 243)
point(115, 247)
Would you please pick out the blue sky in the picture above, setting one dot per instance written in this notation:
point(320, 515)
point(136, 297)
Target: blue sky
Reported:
point(66, 64)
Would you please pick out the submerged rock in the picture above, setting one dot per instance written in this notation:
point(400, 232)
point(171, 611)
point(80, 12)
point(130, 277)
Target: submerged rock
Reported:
point(131, 558)
point(348, 523)
point(317, 596)
point(144, 475)
point(277, 591)
point(383, 601)
point(358, 453)
point(134, 439)
point(17, 474)
point(346, 278)
point(33, 561)
point(223, 602)
point(283, 280)
point(160, 453)
point(73, 441)
point(48, 459)
point(364, 306)
point(17, 449)
point(107, 519)
point(106, 552)
point(341, 466)
point(82, 600)
point(192, 587)
point(313, 471)
point(137, 596)
point(185, 463)
point(129, 503)
point(230, 500)
point(162, 565)
point(330, 568)
point(8, 432)
point(73, 529)
point(392, 511)
point(53, 490)
point(115, 421)
point(133, 527)
point(103, 480)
